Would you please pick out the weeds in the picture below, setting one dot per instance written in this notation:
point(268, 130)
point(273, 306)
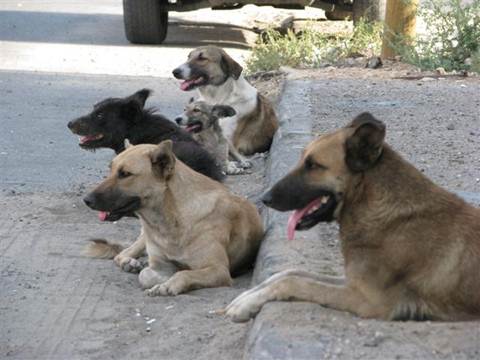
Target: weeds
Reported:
point(451, 39)
point(311, 48)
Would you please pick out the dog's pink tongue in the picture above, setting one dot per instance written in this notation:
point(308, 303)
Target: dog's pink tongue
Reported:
point(102, 215)
point(297, 215)
point(186, 84)
point(293, 221)
point(190, 128)
point(84, 139)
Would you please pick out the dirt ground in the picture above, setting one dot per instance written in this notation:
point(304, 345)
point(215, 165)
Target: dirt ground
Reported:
point(434, 123)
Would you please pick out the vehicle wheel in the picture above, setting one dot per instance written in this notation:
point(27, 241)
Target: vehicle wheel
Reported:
point(338, 14)
point(369, 10)
point(144, 22)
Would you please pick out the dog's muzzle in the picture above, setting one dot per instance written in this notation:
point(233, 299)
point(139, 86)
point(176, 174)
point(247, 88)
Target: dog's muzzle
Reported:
point(181, 72)
point(113, 205)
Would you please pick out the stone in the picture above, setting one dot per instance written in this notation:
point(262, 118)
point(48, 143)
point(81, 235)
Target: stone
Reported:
point(374, 62)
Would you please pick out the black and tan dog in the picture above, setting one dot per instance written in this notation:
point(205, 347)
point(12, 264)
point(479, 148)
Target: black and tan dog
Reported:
point(219, 80)
point(411, 248)
point(115, 119)
point(196, 233)
point(202, 121)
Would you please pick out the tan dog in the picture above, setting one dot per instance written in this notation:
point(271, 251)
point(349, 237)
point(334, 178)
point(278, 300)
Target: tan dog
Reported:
point(219, 80)
point(202, 121)
point(411, 249)
point(189, 222)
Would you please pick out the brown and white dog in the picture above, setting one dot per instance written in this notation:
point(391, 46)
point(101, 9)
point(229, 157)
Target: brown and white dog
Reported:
point(219, 80)
point(202, 121)
point(195, 232)
point(411, 248)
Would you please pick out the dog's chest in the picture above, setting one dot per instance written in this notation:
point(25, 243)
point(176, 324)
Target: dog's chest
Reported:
point(209, 139)
point(228, 126)
point(164, 246)
point(238, 94)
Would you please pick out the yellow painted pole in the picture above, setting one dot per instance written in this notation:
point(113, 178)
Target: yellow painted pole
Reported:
point(399, 22)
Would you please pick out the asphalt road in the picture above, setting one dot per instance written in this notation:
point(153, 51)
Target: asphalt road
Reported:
point(37, 151)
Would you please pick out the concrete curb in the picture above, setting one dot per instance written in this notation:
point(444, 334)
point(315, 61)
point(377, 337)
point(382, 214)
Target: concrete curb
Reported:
point(276, 254)
point(294, 133)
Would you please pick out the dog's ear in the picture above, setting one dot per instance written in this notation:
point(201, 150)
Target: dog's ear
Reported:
point(163, 160)
point(364, 146)
point(230, 66)
point(221, 111)
point(131, 111)
point(134, 104)
point(140, 97)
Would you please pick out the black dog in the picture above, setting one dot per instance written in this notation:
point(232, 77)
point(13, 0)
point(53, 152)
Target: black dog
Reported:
point(115, 119)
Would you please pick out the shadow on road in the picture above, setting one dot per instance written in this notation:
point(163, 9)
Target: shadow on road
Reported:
point(105, 29)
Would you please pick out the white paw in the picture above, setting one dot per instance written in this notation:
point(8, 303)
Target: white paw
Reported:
point(129, 264)
point(168, 288)
point(245, 306)
point(234, 169)
point(245, 164)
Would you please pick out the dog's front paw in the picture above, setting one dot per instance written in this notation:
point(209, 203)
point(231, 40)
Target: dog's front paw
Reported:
point(234, 169)
point(168, 288)
point(129, 264)
point(244, 307)
point(246, 164)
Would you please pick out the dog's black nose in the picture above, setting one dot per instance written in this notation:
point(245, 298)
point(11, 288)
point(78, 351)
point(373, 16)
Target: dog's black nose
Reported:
point(70, 125)
point(177, 73)
point(178, 120)
point(89, 200)
point(267, 198)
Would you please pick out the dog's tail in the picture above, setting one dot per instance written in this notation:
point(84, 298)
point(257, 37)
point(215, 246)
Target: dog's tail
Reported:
point(102, 249)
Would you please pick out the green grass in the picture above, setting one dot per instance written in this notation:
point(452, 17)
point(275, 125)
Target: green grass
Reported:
point(451, 41)
point(311, 48)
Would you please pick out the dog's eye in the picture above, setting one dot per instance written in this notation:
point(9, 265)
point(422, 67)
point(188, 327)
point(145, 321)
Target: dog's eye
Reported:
point(99, 116)
point(196, 110)
point(122, 174)
point(311, 165)
point(201, 57)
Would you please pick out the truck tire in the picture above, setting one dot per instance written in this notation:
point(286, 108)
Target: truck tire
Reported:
point(144, 21)
point(369, 10)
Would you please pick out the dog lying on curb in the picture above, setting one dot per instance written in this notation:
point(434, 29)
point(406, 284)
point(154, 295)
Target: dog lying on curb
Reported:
point(114, 120)
point(219, 80)
point(411, 248)
point(190, 223)
point(202, 121)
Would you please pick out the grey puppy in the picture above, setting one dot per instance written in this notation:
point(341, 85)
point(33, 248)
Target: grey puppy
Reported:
point(201, 120)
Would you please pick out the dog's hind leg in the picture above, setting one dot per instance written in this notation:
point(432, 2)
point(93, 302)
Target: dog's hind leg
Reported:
point(244, 163)
point(297, 286)
point(127, 259)
point(182, 281)
point(212, 272)
point(151, 276)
